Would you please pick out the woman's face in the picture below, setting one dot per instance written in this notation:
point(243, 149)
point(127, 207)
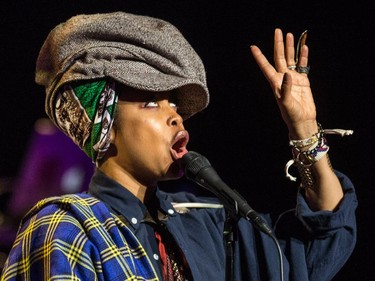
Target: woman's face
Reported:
point(149, 135)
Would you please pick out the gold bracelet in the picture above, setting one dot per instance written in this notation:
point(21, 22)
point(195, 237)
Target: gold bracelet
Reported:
point(306, 174)
point(307, 177)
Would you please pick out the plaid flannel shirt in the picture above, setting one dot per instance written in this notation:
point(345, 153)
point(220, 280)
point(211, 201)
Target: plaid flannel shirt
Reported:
point(75, 237)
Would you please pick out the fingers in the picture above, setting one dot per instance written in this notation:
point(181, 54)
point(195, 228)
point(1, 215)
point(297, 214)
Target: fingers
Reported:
point(304, 56)
point(264, 65)
point(284, 56)
point(278, 48)
point(301, 42)
point(284, 52)
point(289, 49)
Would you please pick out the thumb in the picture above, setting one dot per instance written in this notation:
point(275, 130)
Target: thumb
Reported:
point(286, 85)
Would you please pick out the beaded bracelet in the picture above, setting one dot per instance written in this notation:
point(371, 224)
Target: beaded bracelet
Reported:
point(313, 154)
point(307, 142)
point(318, 147)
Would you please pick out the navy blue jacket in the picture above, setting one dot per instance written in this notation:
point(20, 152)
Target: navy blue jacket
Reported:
point(315, 245)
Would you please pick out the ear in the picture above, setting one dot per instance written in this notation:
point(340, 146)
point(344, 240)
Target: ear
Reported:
point(112, 135)
point(112, 150)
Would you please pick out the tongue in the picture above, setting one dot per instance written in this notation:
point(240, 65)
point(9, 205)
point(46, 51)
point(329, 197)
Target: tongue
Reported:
point(178, 154)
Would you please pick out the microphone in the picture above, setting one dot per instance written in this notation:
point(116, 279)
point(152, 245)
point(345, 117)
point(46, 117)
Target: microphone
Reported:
point(198, 169)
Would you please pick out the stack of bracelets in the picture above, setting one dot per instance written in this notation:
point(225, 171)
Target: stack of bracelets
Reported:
point(308, 151)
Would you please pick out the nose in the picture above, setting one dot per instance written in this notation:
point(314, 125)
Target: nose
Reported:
point(174, 119)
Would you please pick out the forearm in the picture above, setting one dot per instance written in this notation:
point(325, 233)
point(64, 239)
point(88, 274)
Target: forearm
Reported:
point(323, 190)
point(326, 192)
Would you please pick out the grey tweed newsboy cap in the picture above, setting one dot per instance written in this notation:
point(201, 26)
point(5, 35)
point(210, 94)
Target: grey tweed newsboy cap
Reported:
point(139, 51)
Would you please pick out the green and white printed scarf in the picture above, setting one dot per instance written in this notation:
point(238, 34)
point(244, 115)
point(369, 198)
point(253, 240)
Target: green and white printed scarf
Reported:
point(84, 111)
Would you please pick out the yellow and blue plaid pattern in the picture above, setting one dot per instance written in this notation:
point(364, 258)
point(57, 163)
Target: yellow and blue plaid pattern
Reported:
point(75, 237)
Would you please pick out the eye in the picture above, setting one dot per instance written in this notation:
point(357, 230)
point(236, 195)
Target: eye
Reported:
point(151, 104)
point(173, 105)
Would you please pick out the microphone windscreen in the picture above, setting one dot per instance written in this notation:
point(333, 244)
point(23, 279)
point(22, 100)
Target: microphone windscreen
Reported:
point(193, 163)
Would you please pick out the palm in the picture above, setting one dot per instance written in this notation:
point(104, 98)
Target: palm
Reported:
point(297, 104)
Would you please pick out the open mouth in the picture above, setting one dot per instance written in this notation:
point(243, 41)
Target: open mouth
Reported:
point(178, 148)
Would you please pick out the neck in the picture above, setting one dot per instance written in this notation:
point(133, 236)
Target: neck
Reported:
point(140, 190)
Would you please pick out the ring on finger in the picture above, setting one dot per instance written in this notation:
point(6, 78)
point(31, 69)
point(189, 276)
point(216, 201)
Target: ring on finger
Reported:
point(303, 69)
point(292, 67)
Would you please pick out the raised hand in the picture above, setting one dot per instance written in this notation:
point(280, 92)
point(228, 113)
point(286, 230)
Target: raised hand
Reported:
point(290, 84)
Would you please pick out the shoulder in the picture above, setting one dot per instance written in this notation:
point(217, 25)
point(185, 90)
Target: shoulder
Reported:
point(80, 202)
point(70, 212)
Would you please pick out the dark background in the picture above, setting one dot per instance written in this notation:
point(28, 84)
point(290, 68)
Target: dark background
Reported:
point(241, 132)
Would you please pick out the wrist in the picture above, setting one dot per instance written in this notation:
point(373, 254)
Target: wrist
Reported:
point(308, 151)
point(303, 130)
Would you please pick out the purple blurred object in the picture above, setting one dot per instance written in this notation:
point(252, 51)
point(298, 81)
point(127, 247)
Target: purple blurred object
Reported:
point(53, 165)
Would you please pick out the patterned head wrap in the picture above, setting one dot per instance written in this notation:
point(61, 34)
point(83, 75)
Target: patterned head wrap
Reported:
point(82, 57)
point(84, 111)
